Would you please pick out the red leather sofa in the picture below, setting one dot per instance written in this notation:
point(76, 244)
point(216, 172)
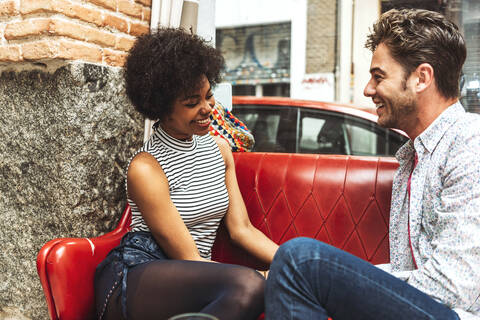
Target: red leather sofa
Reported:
point(341, 200)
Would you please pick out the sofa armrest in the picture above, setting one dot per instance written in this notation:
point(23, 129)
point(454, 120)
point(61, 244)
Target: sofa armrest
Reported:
point(66, 268)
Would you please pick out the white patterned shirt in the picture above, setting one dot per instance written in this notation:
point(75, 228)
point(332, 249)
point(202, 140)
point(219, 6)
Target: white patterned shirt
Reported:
point(444, 212)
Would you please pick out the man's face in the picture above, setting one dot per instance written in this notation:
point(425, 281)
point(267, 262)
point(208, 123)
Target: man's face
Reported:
point(390, 91)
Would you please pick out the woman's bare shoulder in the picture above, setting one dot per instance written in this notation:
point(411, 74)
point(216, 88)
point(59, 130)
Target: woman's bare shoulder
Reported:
point(143, 164)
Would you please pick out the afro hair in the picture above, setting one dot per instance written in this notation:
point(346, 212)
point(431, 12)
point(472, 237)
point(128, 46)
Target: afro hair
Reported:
point(166, 64)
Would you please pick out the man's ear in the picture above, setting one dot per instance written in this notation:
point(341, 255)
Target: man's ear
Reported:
point(424, 77)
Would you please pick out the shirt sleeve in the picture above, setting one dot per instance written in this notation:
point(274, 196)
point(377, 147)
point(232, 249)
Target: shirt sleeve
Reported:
point(452, 274)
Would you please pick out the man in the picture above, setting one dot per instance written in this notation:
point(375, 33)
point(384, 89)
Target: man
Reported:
point(435, 210)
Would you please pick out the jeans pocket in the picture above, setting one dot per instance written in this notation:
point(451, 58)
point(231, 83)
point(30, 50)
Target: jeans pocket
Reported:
point(140, 248)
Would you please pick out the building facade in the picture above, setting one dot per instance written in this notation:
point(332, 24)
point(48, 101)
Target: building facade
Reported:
point(323, 43)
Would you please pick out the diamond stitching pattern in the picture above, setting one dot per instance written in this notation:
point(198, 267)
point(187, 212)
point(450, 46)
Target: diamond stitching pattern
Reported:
point(344, 201)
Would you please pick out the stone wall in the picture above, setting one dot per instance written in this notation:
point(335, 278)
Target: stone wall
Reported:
point(67, 132)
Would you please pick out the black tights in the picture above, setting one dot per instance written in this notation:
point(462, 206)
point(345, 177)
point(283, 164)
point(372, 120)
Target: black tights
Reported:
point(162, 289)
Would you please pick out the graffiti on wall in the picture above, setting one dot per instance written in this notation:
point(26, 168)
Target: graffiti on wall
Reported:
point(256, 54)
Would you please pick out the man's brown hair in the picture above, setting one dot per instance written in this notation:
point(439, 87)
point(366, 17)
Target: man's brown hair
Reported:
point(416, 36)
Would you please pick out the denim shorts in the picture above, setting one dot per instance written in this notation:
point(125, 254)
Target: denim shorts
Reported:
point(135, 248)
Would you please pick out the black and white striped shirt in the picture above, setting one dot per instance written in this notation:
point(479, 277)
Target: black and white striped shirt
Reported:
point(195, 172)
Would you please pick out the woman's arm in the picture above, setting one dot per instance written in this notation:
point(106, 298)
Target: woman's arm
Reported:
point(148, 188)
point(237, 221)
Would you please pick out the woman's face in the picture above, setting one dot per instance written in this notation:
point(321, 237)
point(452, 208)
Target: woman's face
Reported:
point(190, 114)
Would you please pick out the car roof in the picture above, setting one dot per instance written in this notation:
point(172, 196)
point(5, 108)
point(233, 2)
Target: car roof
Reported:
point(364, 113)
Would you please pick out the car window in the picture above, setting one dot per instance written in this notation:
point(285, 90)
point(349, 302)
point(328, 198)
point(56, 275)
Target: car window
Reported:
point(368, 138)
point(327, 132)
point(321, 132)
point(270, 125)
point(275, 129)
point(362, 140)
point(311, 128)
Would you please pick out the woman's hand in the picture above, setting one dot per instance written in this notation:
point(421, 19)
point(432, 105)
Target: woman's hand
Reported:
point(237, 221)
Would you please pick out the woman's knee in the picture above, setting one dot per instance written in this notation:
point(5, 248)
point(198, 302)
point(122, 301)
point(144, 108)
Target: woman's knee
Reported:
point(246, 288)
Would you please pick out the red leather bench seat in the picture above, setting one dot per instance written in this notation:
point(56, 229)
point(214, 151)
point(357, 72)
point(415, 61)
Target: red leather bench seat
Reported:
point(344, 201)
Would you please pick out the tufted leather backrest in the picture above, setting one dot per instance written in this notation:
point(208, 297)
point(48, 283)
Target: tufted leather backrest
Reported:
point(344, 201)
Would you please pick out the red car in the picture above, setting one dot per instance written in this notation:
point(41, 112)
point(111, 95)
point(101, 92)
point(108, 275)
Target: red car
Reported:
point(300, 126)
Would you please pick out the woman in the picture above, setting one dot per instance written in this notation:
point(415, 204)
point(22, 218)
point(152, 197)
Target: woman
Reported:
point(180, 185)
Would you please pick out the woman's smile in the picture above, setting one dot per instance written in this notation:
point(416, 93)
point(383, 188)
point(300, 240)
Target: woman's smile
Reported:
point(203, 122)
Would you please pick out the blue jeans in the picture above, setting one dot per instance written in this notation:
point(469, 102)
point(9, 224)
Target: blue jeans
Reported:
point(309, 279)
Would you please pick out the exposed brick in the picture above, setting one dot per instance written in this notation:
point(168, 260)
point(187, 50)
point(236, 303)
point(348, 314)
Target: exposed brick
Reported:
point(137, 29)
point(42, 49)
point(109, 4)
point(80, 32)
point(321, 30)
point(72, 50)
point(60, 49)
point(146, 14)
point(124, 43)
point(130, 8)
point(33, 6)
point(114, 58)
point(100, 37)
point(119, 23)
point(30, 27)
point(76, 10)
point(8, 8)
point(147, 3)
point(10, 53)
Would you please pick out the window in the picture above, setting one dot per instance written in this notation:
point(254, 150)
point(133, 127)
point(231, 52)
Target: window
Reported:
point(243, 90)
point(273, 127)
point(361, 140)
point(332, 133)
point(322, 132)
point(369, 139)
point(311, 129)
point(276, 89)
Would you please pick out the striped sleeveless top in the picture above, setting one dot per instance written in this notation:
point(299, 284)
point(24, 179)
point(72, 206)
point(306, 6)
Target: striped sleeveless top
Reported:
point(195, 172)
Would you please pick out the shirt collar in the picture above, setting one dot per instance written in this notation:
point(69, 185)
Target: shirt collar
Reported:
point(174, 143)
point(405, 152)
point(430, 137)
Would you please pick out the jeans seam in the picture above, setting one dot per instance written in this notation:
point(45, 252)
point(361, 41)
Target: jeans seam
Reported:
point(388, 292)
point(291, 300)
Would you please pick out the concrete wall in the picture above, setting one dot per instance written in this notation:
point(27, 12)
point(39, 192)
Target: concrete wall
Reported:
point(366, 12)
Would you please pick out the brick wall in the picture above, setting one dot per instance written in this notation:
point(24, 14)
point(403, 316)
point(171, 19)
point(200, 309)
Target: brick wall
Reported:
point(98, 31)
point(321, 36)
